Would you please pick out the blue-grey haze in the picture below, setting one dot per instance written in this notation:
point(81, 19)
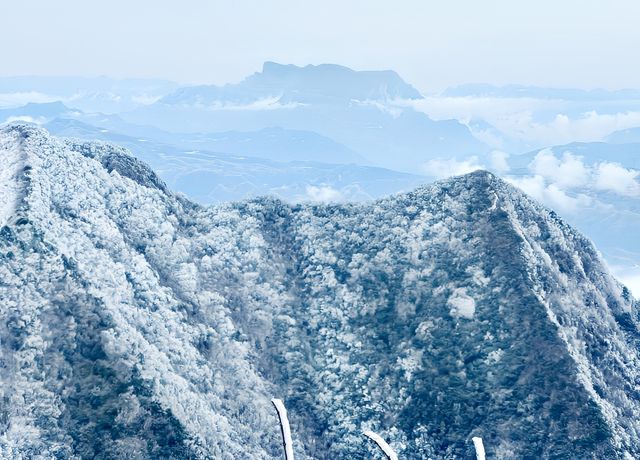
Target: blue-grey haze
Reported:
point(328, 133)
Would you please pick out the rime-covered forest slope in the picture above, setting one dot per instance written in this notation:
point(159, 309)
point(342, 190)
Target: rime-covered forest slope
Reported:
point(136, 324)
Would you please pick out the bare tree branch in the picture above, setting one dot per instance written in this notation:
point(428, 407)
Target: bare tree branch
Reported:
point(477, 443)
point(386, 448)
point(284, 427)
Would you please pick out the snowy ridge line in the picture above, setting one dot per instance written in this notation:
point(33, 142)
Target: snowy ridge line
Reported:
point(386, 448)
point(284, 427)
point(12, 163)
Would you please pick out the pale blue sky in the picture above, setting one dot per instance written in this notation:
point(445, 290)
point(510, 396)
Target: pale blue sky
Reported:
point(431, 44)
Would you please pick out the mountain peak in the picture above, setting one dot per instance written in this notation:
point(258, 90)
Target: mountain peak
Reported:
point(332, 80)
point(460, 309)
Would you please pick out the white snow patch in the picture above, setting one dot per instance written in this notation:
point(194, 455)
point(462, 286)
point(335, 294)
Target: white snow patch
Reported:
point(494, 202)
point(461, 305)
point(494, 357)
point(11, 163)
point(411, 363)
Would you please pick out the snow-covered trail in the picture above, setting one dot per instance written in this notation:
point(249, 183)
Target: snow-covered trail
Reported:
point(11, 166)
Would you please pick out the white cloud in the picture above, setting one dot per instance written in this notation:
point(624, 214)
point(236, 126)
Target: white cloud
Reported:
point(323, 193)
point(472, 107)
point(568, 172)
point(451, 167)
point(442, 168)
point(616, 178)
point(567, 185)
point(269, 103)
point(145, 99)
point(392, 109)
point(590, 127)
point(514, 118)
point(499, 161)
point(490, 137)
point(550, 195)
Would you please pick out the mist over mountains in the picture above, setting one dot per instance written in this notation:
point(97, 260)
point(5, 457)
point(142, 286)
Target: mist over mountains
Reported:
point(353, 108)
point(99, 94)
point(329, 133)
point(137, 323)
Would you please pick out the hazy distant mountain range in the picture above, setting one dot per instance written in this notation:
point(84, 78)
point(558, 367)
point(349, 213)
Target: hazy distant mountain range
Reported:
point(536, 92)
point(100, 94)
point(216, 167)
point(352, 108)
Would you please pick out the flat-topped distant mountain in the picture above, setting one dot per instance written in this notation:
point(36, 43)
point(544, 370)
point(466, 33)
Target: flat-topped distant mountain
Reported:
point(290, 84)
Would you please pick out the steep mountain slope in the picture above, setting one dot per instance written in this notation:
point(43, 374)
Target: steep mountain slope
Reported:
point(134, 324)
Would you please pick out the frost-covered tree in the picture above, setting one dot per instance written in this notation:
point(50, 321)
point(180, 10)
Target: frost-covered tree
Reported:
point(135, 324)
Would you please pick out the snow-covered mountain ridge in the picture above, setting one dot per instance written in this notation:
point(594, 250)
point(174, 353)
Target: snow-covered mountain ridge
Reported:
point(135, 324)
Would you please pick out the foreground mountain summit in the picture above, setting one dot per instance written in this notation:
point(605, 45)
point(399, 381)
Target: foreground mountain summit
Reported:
point(135, 324)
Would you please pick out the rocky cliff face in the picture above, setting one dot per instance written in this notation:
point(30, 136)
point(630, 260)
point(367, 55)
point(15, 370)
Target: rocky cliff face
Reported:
point(135, 324)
